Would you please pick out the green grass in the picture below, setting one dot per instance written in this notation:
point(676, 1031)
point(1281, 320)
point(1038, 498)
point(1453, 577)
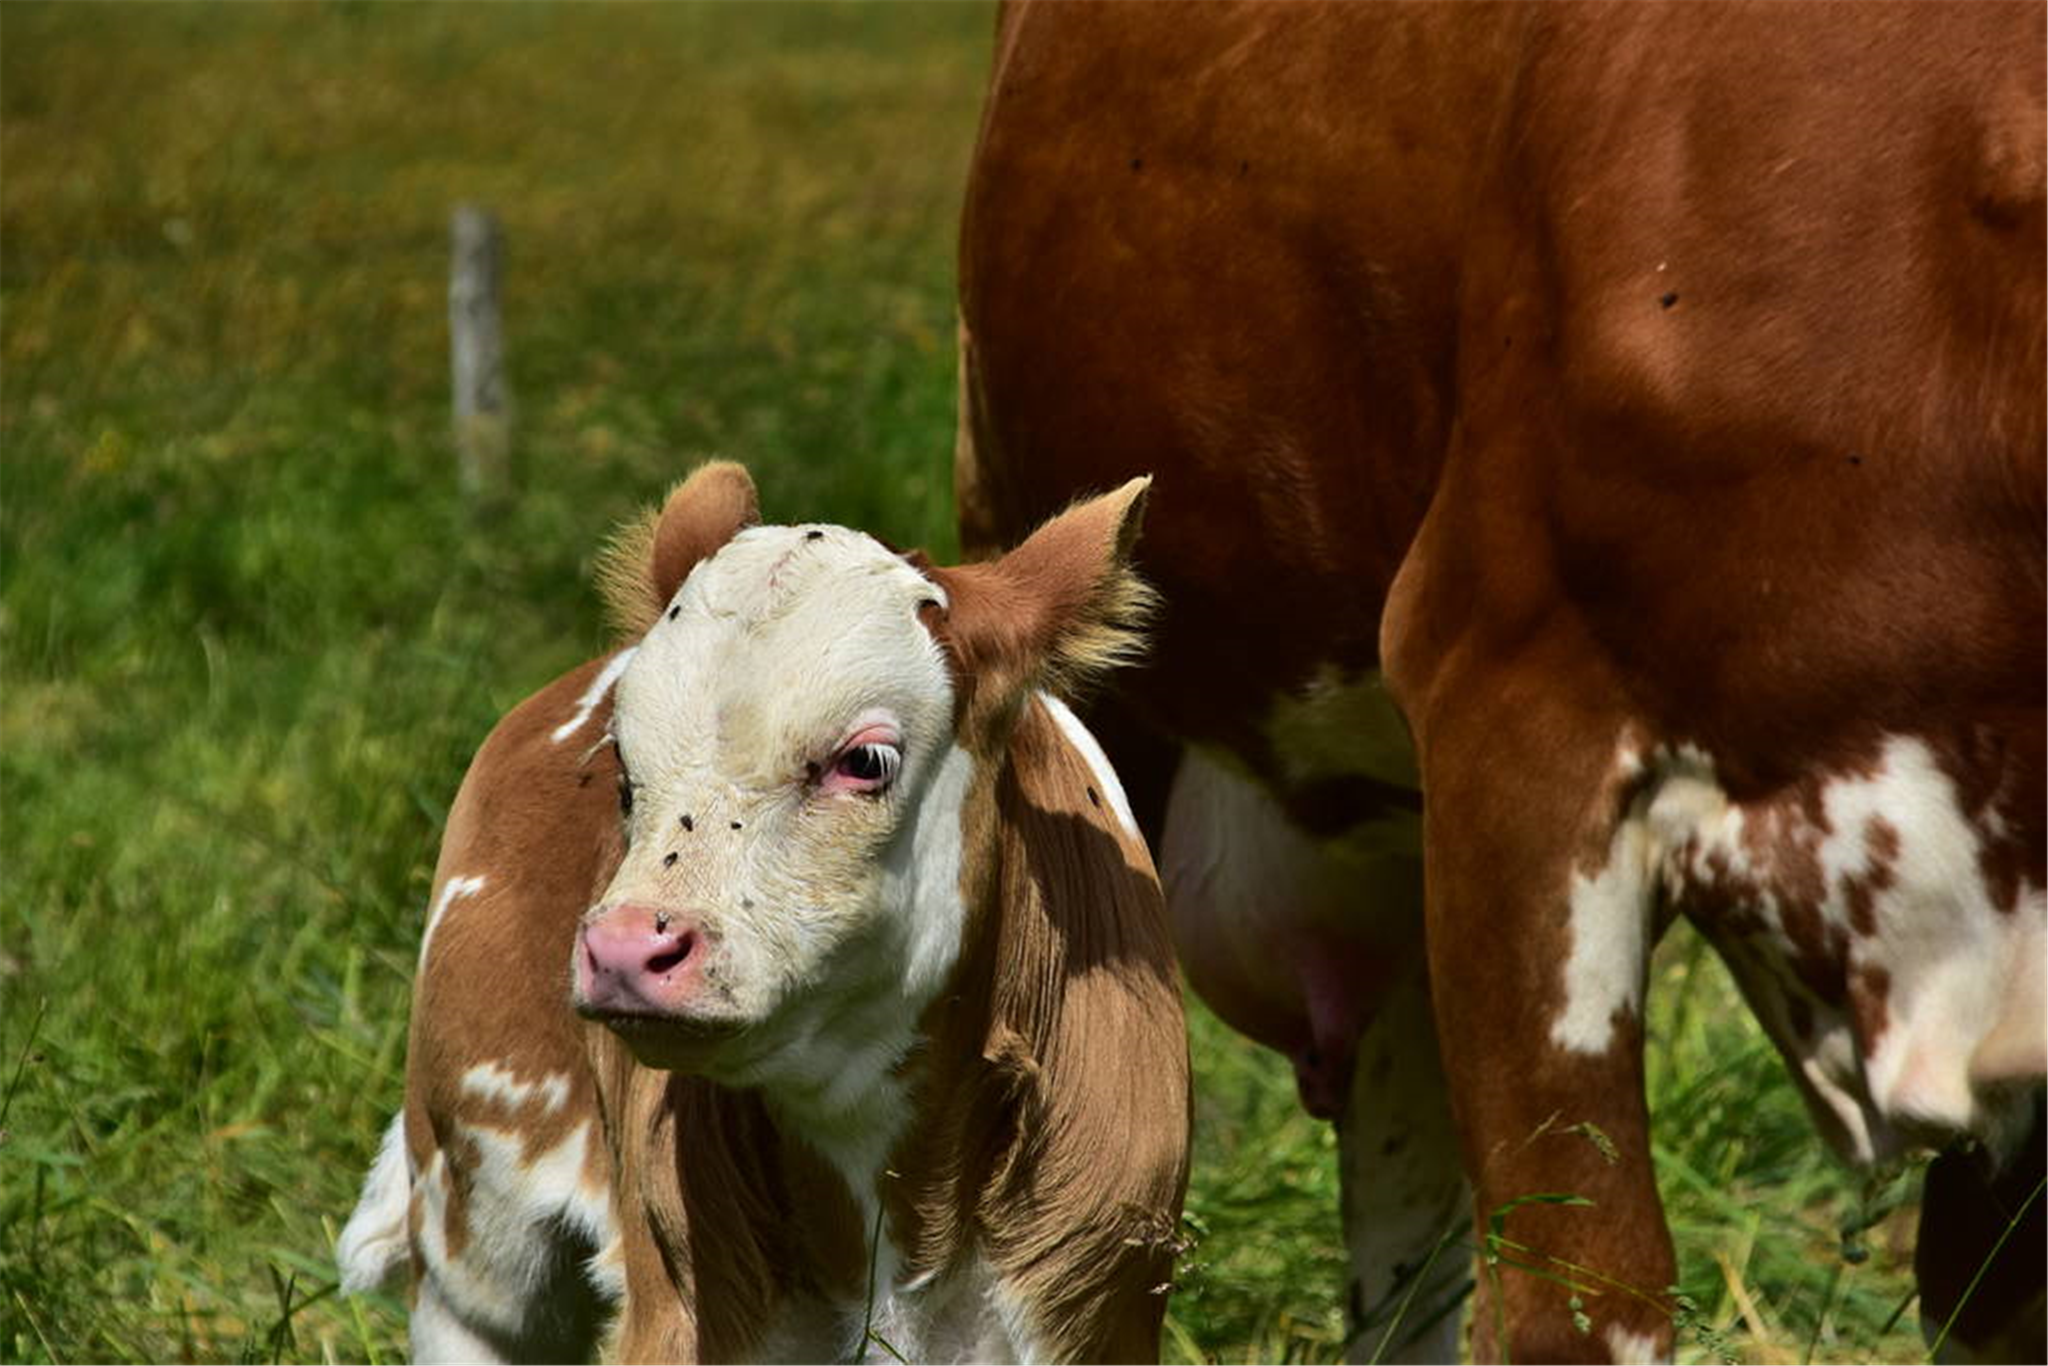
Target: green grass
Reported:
point(251, 634)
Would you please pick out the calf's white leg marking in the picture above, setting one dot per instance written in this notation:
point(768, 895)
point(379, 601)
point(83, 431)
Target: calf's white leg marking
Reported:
point(439, 1334)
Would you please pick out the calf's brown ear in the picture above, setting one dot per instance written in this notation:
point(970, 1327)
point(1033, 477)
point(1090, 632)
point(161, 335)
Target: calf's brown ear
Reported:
point(1057, 612)
point(646, 561)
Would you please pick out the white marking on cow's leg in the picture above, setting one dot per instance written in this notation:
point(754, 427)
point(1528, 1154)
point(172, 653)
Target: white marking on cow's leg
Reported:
point(1405, 1199)
point(1611, 908)
point(1610, 925)
point(373, 1244)
point(1947, 952)
point(451, 889)
point(594, 694)
point(1082, 739)
point(1632, 1349)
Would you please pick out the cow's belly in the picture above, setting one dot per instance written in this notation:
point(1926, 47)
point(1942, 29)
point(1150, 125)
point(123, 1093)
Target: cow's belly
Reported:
point(1878, 926)
point(1294, 899)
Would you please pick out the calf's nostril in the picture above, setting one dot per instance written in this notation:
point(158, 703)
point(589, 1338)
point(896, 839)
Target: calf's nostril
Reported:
point(674, 956)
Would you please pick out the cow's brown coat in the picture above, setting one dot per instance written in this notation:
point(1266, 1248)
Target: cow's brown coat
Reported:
point(1594, 370)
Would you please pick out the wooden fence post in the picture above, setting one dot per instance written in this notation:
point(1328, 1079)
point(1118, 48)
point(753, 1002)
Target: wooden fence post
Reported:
point(477, 353)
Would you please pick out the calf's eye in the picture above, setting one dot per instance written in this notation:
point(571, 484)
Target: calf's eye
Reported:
point(869, 767)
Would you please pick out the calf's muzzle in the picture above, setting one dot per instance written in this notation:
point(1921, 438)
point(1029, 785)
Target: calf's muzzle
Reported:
point(637, 960)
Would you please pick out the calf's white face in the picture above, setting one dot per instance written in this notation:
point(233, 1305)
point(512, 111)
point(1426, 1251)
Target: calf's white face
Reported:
point(791, 799)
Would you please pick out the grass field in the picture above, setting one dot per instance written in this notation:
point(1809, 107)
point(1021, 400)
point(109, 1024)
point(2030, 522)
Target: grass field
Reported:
point(251, 634)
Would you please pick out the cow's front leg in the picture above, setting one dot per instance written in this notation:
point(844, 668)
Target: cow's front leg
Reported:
point(1404, 1187)
point(1539, 927)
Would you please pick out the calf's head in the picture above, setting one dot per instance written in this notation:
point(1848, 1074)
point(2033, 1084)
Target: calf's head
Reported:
point(798, 730)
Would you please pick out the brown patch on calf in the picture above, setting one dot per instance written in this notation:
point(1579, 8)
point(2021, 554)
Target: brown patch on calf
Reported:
point(1051, 1129)
point(1056, 613)
point(728, 1222)
point(492, 988)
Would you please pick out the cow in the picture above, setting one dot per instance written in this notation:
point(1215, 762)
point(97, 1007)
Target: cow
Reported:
point(1599, 456)
point(876, 1042)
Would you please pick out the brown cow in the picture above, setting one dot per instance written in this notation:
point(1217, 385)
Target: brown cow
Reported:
point(1600, 476)
point(881, 933)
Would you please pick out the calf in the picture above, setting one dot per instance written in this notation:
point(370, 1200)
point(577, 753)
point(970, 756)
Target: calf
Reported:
point(883, 1048)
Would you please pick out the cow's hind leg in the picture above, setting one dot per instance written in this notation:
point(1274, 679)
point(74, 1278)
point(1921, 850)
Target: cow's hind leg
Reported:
point(1404, 1188)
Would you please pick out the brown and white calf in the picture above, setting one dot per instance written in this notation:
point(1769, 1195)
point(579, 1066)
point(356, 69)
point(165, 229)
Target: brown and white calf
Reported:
point(887, 1043)
point(1600, 458)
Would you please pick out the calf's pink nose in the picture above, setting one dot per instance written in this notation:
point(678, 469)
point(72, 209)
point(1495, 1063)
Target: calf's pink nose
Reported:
point(634, 958)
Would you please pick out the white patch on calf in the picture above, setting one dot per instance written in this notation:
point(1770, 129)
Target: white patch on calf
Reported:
point(606, 1270)
point(373, 1245)
point(834, 1080)
point(963, 1314)
point(1082, 739)
point(594, 694)
point(451, 889)
point(490, 1082)
point(922, 875)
